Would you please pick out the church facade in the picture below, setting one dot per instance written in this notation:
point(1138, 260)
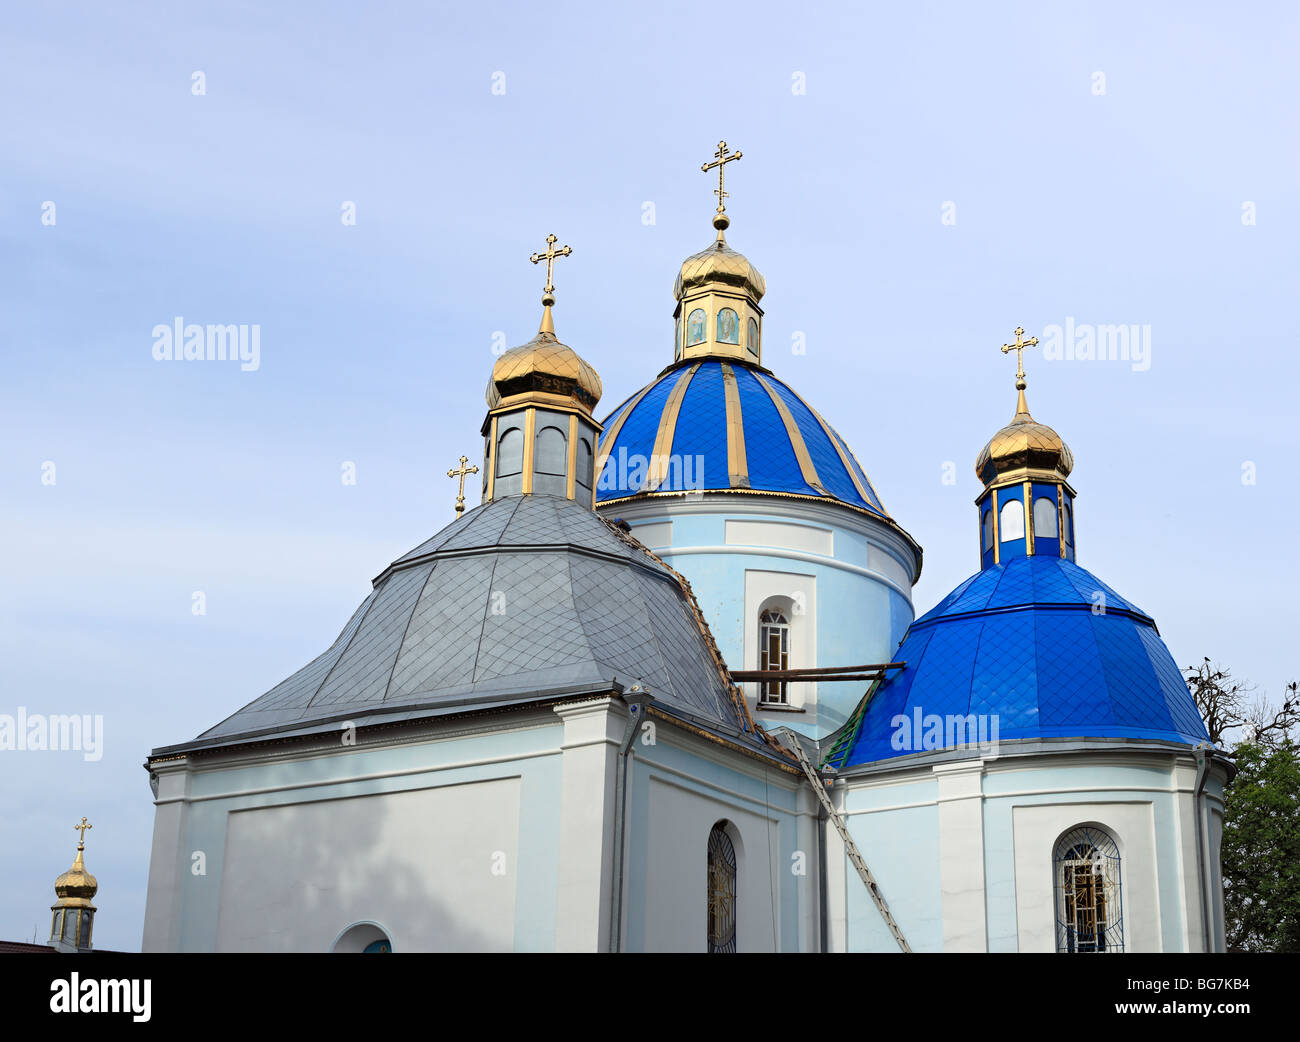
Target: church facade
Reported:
point(665, 690)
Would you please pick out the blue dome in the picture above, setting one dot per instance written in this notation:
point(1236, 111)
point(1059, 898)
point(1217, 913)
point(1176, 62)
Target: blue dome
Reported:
point(727, 426)
point(1044, 646)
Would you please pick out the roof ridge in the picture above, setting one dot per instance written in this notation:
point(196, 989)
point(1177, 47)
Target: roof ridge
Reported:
point(373, 599)
point(733, 689)
point(415, 607)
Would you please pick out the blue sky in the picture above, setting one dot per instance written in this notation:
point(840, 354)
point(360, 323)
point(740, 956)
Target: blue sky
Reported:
point(1122, 207)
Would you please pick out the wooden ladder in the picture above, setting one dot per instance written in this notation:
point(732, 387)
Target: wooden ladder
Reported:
point(819, 787)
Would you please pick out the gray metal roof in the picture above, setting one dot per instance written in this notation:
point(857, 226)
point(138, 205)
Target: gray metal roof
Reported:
point(522, 598)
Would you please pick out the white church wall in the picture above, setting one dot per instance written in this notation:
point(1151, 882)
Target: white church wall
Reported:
point(1134, 798)
point(682, 786)
point(465, 825)
point(977, 839)
point(169, 865)
point(437, 866)
point(593, 731)
point(894, 821)
point(859, 569)
point(794, 595)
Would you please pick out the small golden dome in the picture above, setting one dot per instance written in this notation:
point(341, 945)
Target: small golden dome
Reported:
point(719, 264)
point(1024, 448)
point(76, 881)
point(547, 368)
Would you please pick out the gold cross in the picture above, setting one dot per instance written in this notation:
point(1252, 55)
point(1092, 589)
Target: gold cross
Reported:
point(720, 159)
point(82, 829)
point(1019, 348)
point(460, 472)
point(549, 256)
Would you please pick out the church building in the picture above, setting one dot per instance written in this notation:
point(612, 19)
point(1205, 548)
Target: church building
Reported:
point(664, 690)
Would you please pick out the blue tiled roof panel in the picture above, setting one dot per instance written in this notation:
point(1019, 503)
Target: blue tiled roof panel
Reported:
point(701, 433)
point(1030, 644)
point(701, 430)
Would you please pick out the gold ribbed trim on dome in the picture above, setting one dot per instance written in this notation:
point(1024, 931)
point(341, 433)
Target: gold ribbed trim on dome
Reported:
point(806, 465)
point(663, 447)
point(737, 462)
point(76, 882)
point(845, 454)
point(719, 264)
point(610, 437)
point(547, 369)
point(1024, 450)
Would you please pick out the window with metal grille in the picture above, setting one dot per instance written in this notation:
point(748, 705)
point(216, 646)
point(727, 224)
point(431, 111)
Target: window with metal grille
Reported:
point(1089, 901)
point(773, 653)
point(722, 891)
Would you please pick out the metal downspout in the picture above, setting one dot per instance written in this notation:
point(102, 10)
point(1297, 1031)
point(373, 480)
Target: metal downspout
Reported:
point(823, 944)
point(1203, 751)
point(638, 700)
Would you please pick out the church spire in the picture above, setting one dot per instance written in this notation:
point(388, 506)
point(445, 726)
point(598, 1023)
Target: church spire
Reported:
point(1022, 407)
point(548, 292)
point(1027, 506)
point(71, 926)
point(718, 291)
point(720, 160)
point(539, 434)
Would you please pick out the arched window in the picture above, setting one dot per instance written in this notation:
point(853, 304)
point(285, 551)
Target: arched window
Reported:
point(773, 653)
point(551, 451)
point(1067, 517)
point(677, 339)
point(695, 327)
point(1011, 521)
point(582, 479)
point(362, 938)
point(722, 891)
point(1089, 906)
point(987, 526)
point(550, 461)
point(510, 453)
point(728, 327)
point(752, 342)
point(1045, 518)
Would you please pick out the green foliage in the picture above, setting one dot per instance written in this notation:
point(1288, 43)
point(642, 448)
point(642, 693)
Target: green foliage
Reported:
point(1261, 849)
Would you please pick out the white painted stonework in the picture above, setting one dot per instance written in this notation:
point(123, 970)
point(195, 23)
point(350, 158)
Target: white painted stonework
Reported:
point(487, 838)
point(993, 825)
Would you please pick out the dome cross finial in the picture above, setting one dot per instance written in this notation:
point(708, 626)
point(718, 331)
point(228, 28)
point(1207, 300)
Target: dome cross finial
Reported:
point(81, 841)
point(1019, 348)
point(548, 291)
point(720, 160)
point(460, 472)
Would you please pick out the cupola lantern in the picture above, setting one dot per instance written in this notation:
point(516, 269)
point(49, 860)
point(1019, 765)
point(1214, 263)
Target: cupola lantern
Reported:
point(1027, 506)
point(539, 436)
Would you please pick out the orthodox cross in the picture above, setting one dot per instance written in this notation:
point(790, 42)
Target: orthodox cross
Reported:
point(81, 842)
point(720, 159)
point(1019, 348)
point(460, 472)
point(549, 256)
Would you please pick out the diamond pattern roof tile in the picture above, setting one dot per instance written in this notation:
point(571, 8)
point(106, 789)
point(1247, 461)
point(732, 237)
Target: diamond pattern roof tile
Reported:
point(581, 607)
point(701, 431)
point(1029, 642)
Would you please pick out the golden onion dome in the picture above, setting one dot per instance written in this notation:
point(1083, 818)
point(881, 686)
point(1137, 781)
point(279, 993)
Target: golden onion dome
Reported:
point(1024, 448)
point(76, 881)
point(719, 264)
point(545, 368)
